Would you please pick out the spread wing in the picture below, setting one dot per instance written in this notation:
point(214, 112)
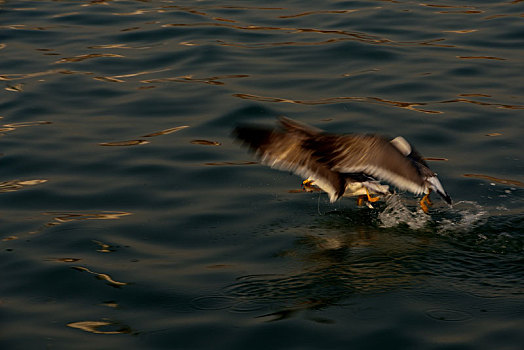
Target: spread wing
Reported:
point(369, 154)
point(327, 158)
point(284, 150)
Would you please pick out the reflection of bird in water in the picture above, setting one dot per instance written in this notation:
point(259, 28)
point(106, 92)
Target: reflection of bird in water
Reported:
point(334, 267)
point(343, 165)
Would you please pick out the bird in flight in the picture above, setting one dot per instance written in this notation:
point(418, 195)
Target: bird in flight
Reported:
point(343, 164)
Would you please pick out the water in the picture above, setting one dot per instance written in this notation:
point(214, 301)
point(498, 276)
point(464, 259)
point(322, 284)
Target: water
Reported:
point(129, 218)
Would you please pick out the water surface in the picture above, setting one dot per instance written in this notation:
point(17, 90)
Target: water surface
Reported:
point(130, 218)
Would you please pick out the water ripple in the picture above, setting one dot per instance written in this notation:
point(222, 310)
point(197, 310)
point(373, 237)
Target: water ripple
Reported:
point(354, 36)
point(449, 315)
point(406, 105)
point(64, 217)
point(332, 100)
point(137, 142)
point(190, 79)
point(102, 276)
point(205, 142)
point(213, 246)
point(80, 58)
point(101, 327)
point(14, 126)
point(15, 185)
point(495, 179)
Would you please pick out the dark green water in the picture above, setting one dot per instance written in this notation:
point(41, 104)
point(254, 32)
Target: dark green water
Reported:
point(120, 228)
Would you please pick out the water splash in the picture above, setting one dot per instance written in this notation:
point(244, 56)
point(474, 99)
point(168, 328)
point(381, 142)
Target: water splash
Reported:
point(465, 215)
point(396, 212)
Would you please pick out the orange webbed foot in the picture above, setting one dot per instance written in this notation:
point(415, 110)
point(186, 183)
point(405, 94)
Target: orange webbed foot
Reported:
point(425, 200)
point(371, 199)
point(308, 185)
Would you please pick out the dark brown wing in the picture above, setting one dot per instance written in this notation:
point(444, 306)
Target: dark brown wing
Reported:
point(369, 154)
point(285, 150)
point(325, 158)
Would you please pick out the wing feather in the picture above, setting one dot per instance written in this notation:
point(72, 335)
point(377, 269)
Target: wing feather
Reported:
point(370, 154)
point(328, 159)
point(285, 151)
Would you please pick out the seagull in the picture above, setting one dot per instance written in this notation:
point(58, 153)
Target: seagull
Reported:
point(343, 164)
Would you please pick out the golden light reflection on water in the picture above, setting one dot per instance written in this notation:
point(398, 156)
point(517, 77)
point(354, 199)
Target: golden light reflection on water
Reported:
point(102, 276)
point(475, 95)
point(189, 79)
point(109, 79)
point(356, 36)
point(407, 105)
point(495, 179)
point(481, 58)
point(117, 46)
point(205, 143)
point(101, 327)
point(461, 9)
point(281, 43)
point(230, 163)
point(24, 27)
point(15, 88)
point(332, 100)
point(436, 159)
point(104, 248)
point(111, 304)
point(125, 143)
point(15, 185)
point(463, 31)
point(447, 6)
point(97, 2)
point(9, 77)
point(14, 126)
point(48, 52)
point(66, 260)
point(462, 12)
point(137, 142)
point(13, 26)
point(490, 104)
point(63, 217)
point(414, 106)
point(309, 13)
point(167, 131)
point(134, 13)
point(118, 78)
point(130, 29)
point(224, 19)
point(66, 14)
point(87, 57)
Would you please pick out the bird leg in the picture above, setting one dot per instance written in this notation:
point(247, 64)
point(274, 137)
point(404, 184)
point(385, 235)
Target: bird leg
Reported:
point(362, 197)
point(371, 199)
point(425, 200)
point(308, 185)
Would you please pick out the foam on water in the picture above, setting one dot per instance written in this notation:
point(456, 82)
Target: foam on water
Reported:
point(396, 212)
point(465, 215)
point(467, 224)
point(462, 217)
